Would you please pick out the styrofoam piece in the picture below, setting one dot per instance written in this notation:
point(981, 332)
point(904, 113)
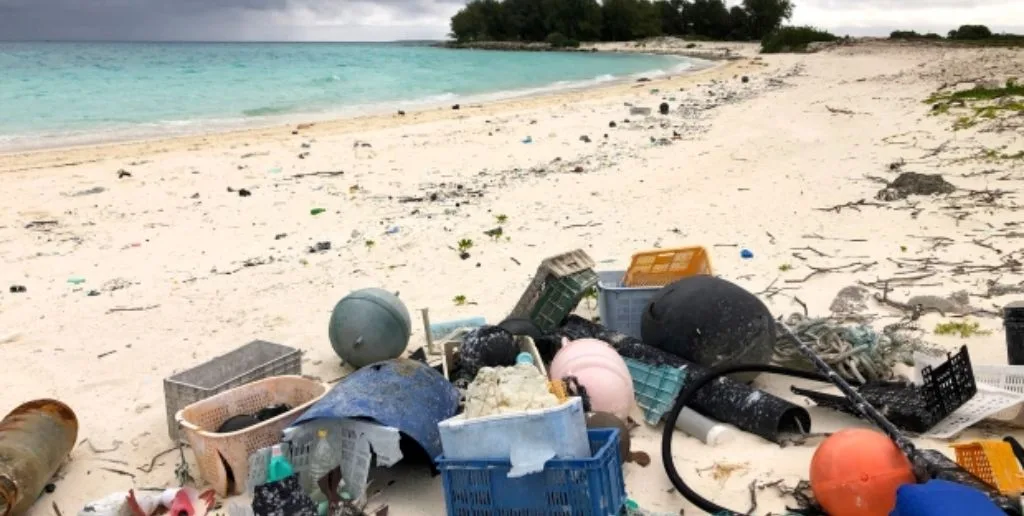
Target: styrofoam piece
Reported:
point(451, 343)
point(986, 403)
point(358, 441)
point(709, 431)
point(527, 439)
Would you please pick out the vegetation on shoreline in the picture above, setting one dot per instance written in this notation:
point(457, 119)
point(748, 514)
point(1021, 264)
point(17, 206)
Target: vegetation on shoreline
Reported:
point(973, 35)
point(980, 104)
point(794, 39)
point(564, 23)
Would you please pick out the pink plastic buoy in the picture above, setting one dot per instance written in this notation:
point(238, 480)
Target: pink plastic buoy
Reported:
point(600, 370)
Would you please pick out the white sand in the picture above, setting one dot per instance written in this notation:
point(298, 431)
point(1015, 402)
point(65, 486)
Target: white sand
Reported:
point(761, 163)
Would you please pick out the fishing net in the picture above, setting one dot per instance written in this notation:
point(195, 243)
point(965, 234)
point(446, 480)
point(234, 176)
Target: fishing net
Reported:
point(857, 352)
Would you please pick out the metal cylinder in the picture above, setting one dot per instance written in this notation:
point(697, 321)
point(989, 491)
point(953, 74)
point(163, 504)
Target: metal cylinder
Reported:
point(1013, 322)
point(35, 438)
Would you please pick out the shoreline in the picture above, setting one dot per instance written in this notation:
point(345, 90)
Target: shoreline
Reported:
point(721, 51)
point(16, 160)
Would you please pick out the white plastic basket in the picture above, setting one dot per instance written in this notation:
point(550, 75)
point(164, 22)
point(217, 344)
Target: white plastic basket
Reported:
point(987, 403)
point(1007, 377)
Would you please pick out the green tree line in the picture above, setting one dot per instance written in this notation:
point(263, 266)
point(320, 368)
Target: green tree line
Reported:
point(567, 22)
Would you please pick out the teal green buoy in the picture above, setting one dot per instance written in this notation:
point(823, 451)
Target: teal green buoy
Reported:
point(368, 326)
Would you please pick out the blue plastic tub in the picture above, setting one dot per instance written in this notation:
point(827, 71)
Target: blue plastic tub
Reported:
point(566, 487)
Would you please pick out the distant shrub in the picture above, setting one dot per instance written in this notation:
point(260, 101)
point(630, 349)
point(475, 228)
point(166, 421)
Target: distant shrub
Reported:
point(904, 34)
point(559, 40)
point(910, 34)
point(970, 32)
point(794, 39)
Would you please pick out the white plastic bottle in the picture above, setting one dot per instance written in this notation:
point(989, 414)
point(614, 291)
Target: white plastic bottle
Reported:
point(324, 459)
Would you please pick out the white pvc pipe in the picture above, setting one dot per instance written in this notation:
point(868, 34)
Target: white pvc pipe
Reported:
point(709, 431)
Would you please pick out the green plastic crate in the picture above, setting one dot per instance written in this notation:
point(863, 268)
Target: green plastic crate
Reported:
point(559, 298)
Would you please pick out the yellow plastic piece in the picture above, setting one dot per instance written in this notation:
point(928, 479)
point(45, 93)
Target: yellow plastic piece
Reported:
point(557, 387)
point(994, 462)
point(660, 267)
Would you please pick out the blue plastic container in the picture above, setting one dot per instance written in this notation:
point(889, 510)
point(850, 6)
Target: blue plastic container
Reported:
point(566, 487)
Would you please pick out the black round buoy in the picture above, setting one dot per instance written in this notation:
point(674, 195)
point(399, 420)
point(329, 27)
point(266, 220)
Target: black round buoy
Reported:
point(486, 346)
point(709, 321)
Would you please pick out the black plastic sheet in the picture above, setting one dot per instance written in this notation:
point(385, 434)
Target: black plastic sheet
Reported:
point(745, 407)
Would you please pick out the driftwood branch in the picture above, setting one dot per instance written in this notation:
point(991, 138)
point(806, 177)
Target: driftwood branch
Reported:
point(854, 205)
point(850, 267)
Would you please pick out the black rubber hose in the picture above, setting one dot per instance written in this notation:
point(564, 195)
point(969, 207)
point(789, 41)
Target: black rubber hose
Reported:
point(681, 401)
point(1018, 451)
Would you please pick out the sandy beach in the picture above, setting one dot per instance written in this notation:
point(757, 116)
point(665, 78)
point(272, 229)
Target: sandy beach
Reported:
point(779, 154)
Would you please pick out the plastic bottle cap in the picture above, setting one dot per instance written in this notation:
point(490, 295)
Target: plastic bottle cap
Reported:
point(524, 358)
point(321, 433)
point(276, 450)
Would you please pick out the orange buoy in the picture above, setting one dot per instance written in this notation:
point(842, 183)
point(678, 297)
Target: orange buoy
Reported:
point(855, 472)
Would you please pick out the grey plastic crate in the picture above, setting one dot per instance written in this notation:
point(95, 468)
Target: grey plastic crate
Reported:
point(254, 361)
point(621, 308)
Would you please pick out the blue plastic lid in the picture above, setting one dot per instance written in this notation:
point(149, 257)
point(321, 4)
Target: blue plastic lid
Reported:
point(524, 358)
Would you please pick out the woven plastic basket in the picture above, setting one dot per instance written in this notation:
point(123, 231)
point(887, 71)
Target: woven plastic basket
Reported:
point(222, 457)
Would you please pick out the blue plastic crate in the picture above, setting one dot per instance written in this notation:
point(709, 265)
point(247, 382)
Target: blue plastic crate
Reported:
point(566, 487)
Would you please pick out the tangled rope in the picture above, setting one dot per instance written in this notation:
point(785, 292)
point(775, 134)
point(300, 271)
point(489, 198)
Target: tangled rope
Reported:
point(857, 352)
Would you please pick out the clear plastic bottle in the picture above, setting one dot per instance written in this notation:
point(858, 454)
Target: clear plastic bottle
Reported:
point(279, 468)
point(323, 461)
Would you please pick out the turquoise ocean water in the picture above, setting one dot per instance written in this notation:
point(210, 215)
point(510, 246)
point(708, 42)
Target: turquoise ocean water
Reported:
point(55, 94)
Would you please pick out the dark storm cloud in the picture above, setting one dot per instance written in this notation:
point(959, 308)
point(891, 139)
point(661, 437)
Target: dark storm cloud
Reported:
point(221, 19)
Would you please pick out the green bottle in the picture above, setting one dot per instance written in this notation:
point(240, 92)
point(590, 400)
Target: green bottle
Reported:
point(279, 468)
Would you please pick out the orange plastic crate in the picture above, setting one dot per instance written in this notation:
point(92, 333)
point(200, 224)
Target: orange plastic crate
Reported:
point(994, 462)
point(660, 267)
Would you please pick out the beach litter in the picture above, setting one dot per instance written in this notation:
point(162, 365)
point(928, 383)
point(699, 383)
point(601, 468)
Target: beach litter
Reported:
point(316, 211)
point(320, 247)
point(35, 440)
point(497, 420)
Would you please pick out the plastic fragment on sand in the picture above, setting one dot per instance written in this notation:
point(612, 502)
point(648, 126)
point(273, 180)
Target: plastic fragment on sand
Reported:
point(316, 211)
point(76, 280)
point(746, 254)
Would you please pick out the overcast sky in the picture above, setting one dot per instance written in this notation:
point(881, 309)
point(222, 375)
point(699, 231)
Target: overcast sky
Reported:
point(382, 20)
